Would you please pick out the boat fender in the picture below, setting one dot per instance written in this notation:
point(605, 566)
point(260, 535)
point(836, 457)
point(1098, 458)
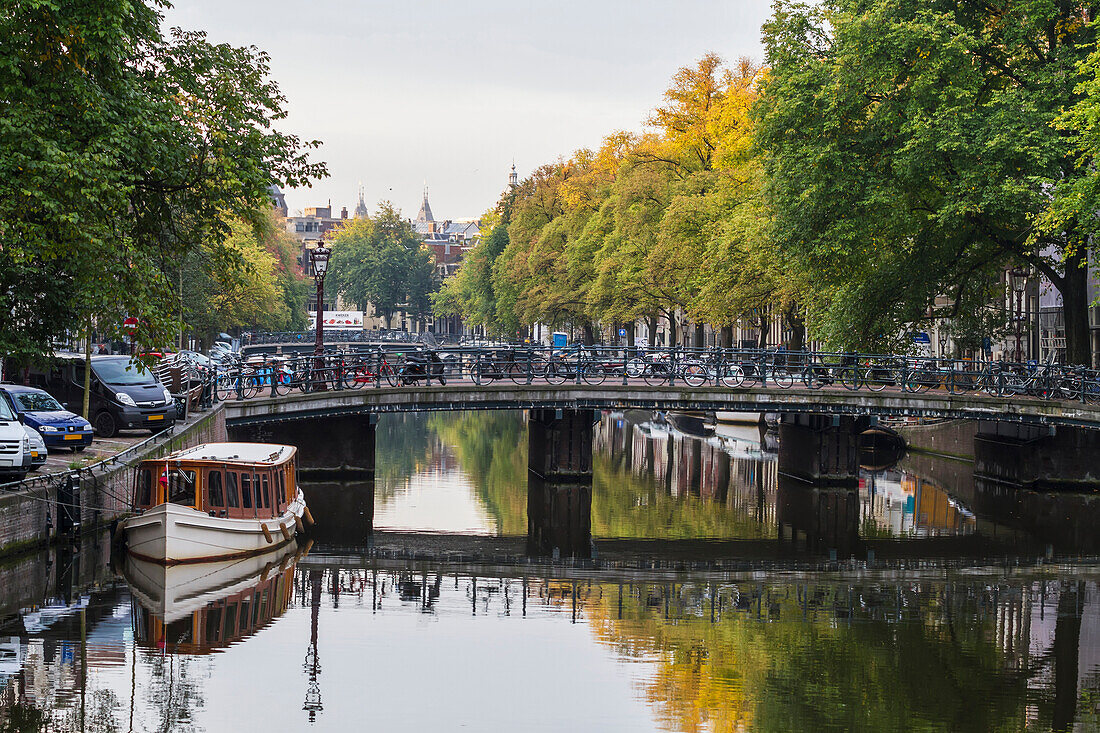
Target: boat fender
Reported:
point(285, 532)
point(307, 515)
point(307, 548)
point(267, 533)
point(298, 523)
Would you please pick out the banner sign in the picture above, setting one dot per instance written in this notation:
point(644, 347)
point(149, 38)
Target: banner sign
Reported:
point(338, 320)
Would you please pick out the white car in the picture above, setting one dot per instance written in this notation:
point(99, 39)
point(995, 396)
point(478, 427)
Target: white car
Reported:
point(38, 447)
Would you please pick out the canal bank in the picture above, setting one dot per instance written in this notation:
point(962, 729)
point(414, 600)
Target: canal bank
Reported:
point(44, 509)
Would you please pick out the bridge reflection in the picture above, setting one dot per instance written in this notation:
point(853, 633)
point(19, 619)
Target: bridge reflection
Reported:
point(722, 496)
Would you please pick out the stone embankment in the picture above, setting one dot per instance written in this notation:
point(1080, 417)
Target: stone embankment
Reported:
point(44, 509)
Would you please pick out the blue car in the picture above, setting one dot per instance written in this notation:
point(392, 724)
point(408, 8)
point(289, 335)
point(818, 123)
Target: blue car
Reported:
point(58, 427)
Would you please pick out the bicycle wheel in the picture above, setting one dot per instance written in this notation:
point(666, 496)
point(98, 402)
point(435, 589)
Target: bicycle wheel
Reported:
point(483, 372)
point(517, 372)
point(733, 375)
point(875, 379)
point(280, 384)
point(557, 372)
point(635, 367)
point(694, 374)
point(850, 378)
point(225, 387)
point(782, 377)
point(390, 373)
point(657, 374)
point(250, 385)
point(917, 380)
point(593, 373)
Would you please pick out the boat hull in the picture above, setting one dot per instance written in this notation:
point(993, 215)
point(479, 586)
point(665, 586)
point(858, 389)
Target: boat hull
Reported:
point(172, 592)
point(172, 534)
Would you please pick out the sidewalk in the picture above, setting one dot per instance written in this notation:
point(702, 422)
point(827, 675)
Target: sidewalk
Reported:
point(61, 460)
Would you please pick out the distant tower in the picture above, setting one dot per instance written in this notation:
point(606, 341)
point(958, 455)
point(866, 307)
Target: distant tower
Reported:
point(425, 214)
point(513, 181)
point(361, 207)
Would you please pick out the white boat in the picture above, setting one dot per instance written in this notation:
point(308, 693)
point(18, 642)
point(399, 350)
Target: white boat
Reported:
point(217, 501)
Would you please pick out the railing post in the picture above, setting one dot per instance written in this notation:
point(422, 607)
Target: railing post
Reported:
point(477, 367)
point(577, 370)
point(763, 368)
point(530, 365)
point(626, 358)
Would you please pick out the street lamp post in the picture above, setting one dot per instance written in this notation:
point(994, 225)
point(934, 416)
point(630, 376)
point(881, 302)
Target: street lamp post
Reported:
point(1018, 279)
point(318, 256)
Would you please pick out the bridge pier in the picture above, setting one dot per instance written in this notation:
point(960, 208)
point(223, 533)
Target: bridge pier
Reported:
point(1034, 456)
point(334, 446)
point(559, 483)
point(818, 518)
point(822, 449)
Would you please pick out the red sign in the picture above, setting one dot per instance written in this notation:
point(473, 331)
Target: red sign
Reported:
point(130, 324)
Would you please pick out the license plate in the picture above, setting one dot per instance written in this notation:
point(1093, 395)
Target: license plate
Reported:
point(73, 437)
point(156, 417)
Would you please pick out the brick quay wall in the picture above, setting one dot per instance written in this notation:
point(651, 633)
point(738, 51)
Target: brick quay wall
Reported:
point(44, 509)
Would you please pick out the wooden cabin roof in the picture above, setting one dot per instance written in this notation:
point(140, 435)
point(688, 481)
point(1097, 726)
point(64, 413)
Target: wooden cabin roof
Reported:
point(269, 453)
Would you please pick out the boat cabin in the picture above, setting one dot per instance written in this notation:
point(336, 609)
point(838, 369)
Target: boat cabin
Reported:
point(219, 623)
point(231, 480)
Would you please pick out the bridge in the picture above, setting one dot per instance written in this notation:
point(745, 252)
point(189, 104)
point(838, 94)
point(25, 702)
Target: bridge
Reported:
point(639, 396)
point(820, 432)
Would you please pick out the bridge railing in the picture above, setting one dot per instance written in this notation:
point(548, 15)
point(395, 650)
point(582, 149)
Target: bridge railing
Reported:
point(393, 364)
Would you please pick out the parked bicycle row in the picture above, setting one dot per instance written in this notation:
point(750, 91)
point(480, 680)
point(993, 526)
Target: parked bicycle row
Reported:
point(730, 368)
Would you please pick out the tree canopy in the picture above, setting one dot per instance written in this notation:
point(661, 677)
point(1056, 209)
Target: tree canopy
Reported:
point(121, 151)
point(380, 261)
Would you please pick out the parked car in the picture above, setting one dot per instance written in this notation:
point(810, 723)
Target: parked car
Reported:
point(38, 447)
point(124, 394)
point(58, 427)
point(15, 445)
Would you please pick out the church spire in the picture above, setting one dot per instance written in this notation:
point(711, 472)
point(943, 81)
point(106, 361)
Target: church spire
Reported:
point(425, 213)
point(512, 179)
point(361, 207)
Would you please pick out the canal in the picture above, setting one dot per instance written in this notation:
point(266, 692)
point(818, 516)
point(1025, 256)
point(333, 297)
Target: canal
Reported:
point(714, 594)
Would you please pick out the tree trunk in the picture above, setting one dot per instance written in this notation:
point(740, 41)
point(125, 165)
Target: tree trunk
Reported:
point(589, 336)
point(630, 329)
point(765, 327)
point(699, 336)
point(671, 329)
point(798, 328)
point(86, 407)
point(727, 337)
point(651, 321)
point(1066, 648)
point(1075, 304)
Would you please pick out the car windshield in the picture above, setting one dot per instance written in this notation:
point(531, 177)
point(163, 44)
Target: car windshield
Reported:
point(121, 371)
point(5, 411)
point(37, 402)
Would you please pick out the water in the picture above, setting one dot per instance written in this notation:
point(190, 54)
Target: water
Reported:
point(711, 604)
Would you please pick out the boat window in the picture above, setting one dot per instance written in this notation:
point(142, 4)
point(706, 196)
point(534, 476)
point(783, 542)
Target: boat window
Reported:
point(256, 488)
point(231, 489)
point(214, 496)
point(282, 485)
point(267, 491)
point(213, 624)
point(145, 487)
point(246, 614)
point(246, 491)
point(230, 620)
point(181, 487)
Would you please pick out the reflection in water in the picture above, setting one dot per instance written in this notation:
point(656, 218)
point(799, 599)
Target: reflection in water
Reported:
point(360, 639)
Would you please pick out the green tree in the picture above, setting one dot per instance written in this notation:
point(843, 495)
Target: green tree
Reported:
point(121, 151)
point(910, 152)
point(380, 261)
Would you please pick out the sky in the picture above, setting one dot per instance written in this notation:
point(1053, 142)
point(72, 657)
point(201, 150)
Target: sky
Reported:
point(408, 93)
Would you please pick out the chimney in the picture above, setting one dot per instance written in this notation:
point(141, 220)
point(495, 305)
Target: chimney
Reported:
point(344, 213)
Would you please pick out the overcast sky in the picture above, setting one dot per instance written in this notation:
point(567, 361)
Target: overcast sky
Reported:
point(408, 92)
